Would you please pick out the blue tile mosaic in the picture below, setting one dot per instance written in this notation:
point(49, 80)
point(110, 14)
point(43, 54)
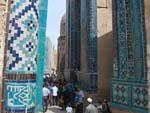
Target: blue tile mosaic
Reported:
point(23, 36)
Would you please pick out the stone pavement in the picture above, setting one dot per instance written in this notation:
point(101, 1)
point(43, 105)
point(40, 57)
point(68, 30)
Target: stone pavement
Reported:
point(55, 109)
point(116, 110)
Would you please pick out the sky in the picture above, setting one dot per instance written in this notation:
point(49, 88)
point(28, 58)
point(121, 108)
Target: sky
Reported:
point(56, 9)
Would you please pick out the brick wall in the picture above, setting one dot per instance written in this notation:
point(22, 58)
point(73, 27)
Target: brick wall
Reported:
point(2, 45)
point(105, 46)
point(147, 18)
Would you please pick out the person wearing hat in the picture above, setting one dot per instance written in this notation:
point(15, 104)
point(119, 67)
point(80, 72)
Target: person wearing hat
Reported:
point(90, 108)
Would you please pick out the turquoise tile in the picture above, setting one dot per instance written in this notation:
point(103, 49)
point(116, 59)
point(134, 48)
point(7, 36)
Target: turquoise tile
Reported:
point(42, 22)
point(41, 34)
point(41, 48)
point(43, 4)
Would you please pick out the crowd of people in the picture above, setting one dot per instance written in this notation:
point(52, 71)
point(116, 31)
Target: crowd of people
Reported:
point(67, 96)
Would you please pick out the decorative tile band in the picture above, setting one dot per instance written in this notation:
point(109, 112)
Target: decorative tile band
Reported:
point(120, 94)
point(130, 94)
point(139, 96)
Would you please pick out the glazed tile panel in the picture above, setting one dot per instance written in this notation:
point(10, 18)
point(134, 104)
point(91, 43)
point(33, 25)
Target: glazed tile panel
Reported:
point(22, 38)
point(140, 96)
point(19, 95)
point(120, 94)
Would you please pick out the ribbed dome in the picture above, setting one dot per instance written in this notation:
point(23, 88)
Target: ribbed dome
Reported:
point(63, 25)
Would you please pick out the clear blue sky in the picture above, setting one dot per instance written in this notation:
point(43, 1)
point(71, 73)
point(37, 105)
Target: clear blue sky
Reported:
point(56, 9)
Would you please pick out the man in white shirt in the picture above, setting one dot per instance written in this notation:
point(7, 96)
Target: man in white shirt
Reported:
point(45, 97)
point(46, 91)
point(55, 95)
point(90, 108)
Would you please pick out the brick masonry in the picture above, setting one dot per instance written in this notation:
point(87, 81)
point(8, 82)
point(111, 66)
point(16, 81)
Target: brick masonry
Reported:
point(105, 46)
point(2, 44)
point(147, 18)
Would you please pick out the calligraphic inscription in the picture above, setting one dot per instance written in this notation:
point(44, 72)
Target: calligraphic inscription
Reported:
point(19, 95)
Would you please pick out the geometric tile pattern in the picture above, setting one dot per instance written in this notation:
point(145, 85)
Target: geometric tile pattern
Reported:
point(139, 97)
point(23, 36)
point(120, 94)
point(129, 89)
point(129, 40)
point(133, 96)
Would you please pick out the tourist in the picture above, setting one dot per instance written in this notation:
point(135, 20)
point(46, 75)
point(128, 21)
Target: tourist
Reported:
point(90, 108)
point(105, 107)
point(79, 98)
point(55, 94)
point(70, 93)
point(61, 95)
point(45, 96)
point(66, 100)
point(50, 95)
point(53, 77)
point(61, 90)
point(61, 102)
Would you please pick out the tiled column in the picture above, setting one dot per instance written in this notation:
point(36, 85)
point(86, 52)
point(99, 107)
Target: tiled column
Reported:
point(21, 57)
point(40, 56)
